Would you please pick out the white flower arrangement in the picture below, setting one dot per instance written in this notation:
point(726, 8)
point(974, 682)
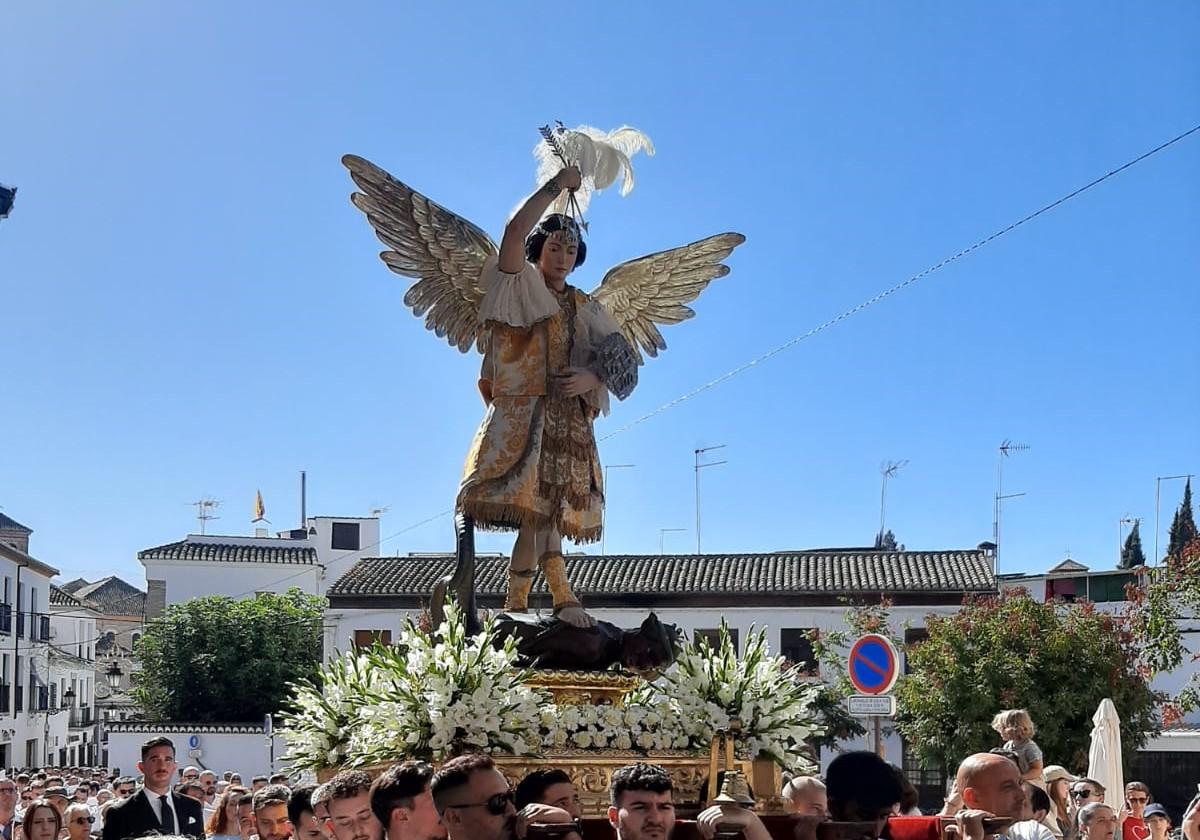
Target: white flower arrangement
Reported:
point(712, 688)
point(432, 696)
point(438, 694)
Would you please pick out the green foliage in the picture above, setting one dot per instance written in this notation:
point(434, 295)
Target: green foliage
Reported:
point(1183, 526)
point(886, 541)
point(1171, 594)
point(1056, 660)
point(1132, 555)
point(218, 659)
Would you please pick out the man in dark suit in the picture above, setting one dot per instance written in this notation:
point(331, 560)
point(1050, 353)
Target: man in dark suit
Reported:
point(155, 808)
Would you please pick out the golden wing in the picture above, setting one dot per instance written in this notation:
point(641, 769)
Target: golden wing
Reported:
point(654, 289)
point(442, 250)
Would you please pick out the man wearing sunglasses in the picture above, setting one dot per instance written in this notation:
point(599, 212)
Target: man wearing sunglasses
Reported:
point(476, 803)
point(8, 806)
point(1137, 797)
point(124, 787)
point(347, 798)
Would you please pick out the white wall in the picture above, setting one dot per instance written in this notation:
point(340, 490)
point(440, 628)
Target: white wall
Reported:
point(245, 752)
point(338, 562)
point(187, 579)
point(18, 728)
point(73, 630)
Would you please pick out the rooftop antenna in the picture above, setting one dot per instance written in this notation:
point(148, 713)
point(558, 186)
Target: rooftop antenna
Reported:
point(699, 467)
point(887, 469)
point(379, 511)
point(1006, 448)
point(604, 509)
point(204, 508)
point(303, 499)
point(1157, 499)
point(1121, 523)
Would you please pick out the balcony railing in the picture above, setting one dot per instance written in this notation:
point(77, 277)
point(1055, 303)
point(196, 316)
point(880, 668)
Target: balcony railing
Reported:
point(20, 698)
point(5, 699)
point(43, 628)
point(6, 618)
point(82, 717)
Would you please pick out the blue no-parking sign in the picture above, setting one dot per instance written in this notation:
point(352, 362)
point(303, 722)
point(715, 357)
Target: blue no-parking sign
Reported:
point(872, 664)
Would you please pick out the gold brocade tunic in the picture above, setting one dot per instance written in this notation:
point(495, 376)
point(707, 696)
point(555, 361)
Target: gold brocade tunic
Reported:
point(534, 459)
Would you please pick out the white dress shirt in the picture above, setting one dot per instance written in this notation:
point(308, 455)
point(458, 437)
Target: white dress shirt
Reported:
point(156, 806)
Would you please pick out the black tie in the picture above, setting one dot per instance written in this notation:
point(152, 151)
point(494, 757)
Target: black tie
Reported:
point(168, 817)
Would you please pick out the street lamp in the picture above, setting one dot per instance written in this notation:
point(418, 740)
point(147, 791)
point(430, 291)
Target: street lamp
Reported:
point(113, 675)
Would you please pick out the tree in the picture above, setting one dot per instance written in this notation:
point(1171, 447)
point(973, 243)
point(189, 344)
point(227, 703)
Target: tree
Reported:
point(1132, 555)
point(1168, 597)
point(219, 659)
point(886, 541)
point(1056, 660)
point(1183, 526)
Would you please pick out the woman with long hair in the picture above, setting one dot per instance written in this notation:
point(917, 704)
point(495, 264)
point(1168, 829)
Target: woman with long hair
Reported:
point(223, 824)
point(41, 821)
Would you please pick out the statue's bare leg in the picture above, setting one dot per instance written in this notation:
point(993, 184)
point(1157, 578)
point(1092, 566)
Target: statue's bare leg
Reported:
point(521, 569)
point(566, 606)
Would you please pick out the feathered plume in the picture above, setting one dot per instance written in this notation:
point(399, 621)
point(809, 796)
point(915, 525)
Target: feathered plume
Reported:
point(601, 158)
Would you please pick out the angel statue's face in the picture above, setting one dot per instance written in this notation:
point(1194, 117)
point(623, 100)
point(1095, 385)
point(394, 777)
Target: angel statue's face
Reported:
point(558, 256)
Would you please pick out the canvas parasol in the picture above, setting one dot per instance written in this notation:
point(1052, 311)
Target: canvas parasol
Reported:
point(1104, 755)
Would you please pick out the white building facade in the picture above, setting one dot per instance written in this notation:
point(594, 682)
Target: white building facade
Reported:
point(73, 637)
point(309, 559)
point(26, 723)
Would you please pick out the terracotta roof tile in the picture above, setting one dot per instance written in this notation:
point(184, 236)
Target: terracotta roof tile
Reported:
point(785, 573)
point(231, 553)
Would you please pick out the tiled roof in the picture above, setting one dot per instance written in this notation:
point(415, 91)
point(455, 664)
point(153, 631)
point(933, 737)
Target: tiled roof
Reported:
point(62, 598)
point(113, 596)
point(681, 576)
point(231, 553)
point(7, 523)
point(73, 585)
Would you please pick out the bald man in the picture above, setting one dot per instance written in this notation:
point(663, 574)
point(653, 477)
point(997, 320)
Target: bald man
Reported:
point(991, 783)
point(805, 795)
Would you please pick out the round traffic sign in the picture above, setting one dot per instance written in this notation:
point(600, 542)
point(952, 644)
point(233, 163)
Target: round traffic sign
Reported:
point(872, 664)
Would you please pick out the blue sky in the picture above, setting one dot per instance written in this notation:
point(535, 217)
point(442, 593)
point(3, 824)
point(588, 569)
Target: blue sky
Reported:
point(192, 308)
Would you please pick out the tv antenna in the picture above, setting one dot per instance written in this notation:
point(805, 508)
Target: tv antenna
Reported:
point(204, 511)
point(379, 511)
point(699, 466)
point(887, 469)
point(1006, 448)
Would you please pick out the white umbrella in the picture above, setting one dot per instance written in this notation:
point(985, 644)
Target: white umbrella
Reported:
point(1104, 755)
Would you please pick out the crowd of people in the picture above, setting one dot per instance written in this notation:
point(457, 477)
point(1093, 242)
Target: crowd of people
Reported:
point(1007, 793)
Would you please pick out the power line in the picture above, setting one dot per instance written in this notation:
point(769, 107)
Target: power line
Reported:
point(837, 319)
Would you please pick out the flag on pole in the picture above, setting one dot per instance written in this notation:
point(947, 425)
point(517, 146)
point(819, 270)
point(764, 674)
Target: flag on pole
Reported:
point(260, 510)
point(7, 196)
